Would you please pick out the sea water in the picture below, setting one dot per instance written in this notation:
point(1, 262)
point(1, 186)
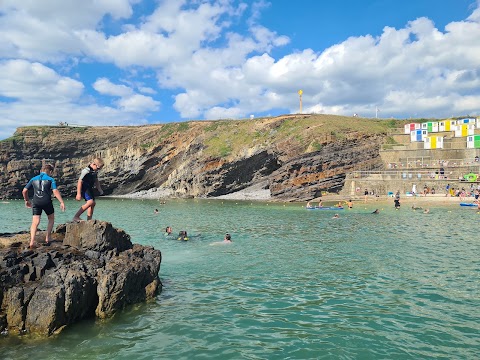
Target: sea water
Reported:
point(294, 284)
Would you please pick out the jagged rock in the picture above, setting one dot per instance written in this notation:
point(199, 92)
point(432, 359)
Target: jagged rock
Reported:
point(94, 271)
point(97, 236)
point(195, 159)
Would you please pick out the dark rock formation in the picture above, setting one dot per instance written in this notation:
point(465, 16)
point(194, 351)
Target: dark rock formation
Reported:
point(299, 156)
point(94, 271)
point(305, 177)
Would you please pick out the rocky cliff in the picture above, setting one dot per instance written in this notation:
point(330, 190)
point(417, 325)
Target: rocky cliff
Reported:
point(295, 157)
point(91, 269)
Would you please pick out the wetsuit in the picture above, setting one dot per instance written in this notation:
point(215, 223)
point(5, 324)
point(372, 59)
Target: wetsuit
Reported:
point(42, 185)
point(89, 178)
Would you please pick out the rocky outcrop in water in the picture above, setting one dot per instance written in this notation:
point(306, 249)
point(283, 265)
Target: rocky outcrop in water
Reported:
point(296, 156)
point(91, 269)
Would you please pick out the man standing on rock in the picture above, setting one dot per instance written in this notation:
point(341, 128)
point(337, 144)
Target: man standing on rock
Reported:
point(43, 185)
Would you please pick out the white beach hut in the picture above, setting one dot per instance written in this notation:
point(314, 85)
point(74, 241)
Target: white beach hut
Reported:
point(447, 125)
point(433, 142)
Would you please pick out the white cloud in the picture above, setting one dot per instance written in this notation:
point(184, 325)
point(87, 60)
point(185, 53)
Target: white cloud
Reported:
point(48, 30)
point(104, 86)
point(34, 82)
point(211, 70)
point(138, 104)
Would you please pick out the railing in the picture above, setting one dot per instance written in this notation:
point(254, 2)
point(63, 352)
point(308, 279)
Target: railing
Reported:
point(457, 175)
point(427, 162)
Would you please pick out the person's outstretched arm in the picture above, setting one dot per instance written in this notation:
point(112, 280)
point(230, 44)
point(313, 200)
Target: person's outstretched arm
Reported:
point(59, 197)
point(79, 190)
point(28, 204)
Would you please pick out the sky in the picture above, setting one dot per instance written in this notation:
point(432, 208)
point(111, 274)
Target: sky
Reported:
point(135, 62)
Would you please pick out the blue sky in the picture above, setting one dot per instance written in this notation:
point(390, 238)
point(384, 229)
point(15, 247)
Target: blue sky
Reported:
point(132, 62)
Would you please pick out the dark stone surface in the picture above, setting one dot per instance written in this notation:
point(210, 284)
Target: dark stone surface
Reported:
point(48, 288)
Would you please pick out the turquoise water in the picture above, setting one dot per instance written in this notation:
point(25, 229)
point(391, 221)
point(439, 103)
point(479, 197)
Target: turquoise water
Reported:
point(295, 284)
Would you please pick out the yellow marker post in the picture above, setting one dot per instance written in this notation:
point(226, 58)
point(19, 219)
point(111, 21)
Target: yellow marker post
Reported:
point(300, 92)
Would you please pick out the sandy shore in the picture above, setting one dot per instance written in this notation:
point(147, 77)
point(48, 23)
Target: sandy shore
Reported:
point(405, 201)
point(259, 193)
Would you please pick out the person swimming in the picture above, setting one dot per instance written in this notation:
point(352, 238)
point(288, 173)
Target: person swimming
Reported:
point(336, 216)
point(376, 211)
point(182, 235)
point(228, 238)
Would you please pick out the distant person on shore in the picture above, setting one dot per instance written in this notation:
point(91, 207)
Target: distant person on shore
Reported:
point(43, 186)
point(86, 183)
point(366, 194)
point(309, 205)
point(350, 204)
point(414, 190)
point(447, 190)
point(320, 203)
point(396, 200)
point(425, 190)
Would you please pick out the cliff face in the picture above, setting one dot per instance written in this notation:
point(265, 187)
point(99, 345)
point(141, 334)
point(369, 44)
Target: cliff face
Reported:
point(297, 156)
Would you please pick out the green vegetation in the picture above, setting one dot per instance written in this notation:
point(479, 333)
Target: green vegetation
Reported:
point(14, 140)
point(146, 145)
point(316, 146)
point(80, 130)
point(390, 140)
point(183, 126)
point(166, 131)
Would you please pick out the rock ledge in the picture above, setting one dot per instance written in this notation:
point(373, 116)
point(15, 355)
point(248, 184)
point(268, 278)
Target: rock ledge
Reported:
point(90, 269)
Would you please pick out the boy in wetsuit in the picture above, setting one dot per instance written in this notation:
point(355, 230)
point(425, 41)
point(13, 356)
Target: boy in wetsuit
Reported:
point(43, 186)
point(85, 185)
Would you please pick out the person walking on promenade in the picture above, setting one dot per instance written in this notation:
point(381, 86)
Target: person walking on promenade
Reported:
point(85, 185)
point(396, 201)
point(43, 186)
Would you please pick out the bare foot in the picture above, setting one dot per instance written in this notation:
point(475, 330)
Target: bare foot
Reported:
point(32, 246)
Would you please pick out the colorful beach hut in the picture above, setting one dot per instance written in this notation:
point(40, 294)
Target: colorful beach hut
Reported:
point(430, 126)
point(447, 125)
point(473, 142)
point(418, 135)
point(465, 130)
point(411, 127)
point(433, 142)
point(466, 121)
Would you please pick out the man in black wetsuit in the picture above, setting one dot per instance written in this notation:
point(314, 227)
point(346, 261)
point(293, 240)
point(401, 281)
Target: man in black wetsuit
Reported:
point(43, 186)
